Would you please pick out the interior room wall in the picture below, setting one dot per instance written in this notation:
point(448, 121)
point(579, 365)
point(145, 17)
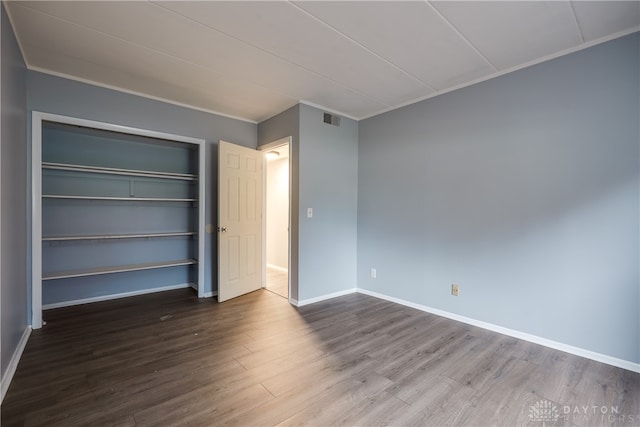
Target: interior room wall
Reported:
point(524, 190)
point(52, 94)
point(283, 125)
point(328, 185)
point(13, 203)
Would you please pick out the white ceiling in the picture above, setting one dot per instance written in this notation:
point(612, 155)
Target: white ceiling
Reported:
point(252, 60)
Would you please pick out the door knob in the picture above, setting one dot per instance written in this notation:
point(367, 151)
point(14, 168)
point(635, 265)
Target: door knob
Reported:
point(222, 229)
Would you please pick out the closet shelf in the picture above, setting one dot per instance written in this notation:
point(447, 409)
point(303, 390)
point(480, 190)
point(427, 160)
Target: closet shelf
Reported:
point(117, 171)
point(121, 199)
point(118, 269)
point(116, 236)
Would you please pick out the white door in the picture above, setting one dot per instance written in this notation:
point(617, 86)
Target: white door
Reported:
point(239, 220)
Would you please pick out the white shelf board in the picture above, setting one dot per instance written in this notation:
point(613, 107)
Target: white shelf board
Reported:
point(117, 171)
point(121, 199)
point(116, 236)
point(119, 269)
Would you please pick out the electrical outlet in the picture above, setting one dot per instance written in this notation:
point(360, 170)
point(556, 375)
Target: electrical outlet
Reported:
point(374, 273)
point(454, 290)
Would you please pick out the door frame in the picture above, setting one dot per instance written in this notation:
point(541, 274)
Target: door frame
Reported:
point(264, 148)
point(37, 119)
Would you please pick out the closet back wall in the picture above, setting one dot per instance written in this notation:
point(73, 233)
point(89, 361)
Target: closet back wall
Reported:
point(51, 94)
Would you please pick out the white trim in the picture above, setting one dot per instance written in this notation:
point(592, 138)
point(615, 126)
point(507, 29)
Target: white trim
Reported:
point(277, 143)
point(598, 357)
point(115, 127)
point(36, 220)
point(288, 141)
point(323, 297)
point(2, 388)
point(13, 363)
point(116, 296)
point(339, 113)
point(278, 268)
point(135, 93)
point(502, 72)
point(204, 294)
point(202, 197)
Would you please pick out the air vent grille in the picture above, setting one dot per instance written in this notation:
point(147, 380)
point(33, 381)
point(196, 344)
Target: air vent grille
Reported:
point(331, 119)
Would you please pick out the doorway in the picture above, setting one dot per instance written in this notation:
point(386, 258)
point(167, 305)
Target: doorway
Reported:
point(276, 219)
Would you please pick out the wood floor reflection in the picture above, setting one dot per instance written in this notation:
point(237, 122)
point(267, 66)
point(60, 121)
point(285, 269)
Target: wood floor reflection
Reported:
point(278, 282)
point(171, 359)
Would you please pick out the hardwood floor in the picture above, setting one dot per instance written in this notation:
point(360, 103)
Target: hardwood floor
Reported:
point(278, 282)
point(170, 359)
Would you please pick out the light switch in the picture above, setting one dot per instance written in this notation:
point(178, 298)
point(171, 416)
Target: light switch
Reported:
point(309, 212)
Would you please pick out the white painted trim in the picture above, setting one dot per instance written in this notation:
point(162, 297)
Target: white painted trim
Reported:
point(502, 72)
point(36, 220)
point(202, 196)
point(13, 363)
point(277, 143)
point(136, 93)
point(323, 297)
point(116, 296)
point(339, 113)
point(288, 141)
point(115, 127)
point(278, 268)
point(204, 294)
point(598, 357)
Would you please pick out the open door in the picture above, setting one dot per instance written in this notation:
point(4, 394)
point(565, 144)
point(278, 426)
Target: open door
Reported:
point(239, 220)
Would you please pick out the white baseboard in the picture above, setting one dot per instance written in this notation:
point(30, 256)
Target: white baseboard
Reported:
point(322, 297)
point(598, 357)
point(278, 268)
point(206, 294)
point(13, 363)
point(114, 296)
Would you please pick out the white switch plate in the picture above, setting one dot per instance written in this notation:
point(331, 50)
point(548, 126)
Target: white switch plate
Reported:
point(374, 273)
point(309, 212)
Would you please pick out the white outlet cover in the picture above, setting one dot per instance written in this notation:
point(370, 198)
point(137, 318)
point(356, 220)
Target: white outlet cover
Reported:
point(309, 212)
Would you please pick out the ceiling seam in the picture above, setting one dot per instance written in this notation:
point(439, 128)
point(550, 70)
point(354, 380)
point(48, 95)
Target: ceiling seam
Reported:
point(388, 62)
point(461, 35)
point(355, 91)
point(575, 18)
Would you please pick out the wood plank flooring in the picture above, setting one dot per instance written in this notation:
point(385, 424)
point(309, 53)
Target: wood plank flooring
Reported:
point(278, 282)
point(170, 359)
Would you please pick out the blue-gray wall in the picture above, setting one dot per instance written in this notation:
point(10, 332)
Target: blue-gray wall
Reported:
point(13, 203)
point(524, 190)
point(47, 93)
point(329, 184)
point(325, 178)
point(287, 124)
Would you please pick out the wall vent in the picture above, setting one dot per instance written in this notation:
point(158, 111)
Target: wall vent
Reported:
point(331, 119)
